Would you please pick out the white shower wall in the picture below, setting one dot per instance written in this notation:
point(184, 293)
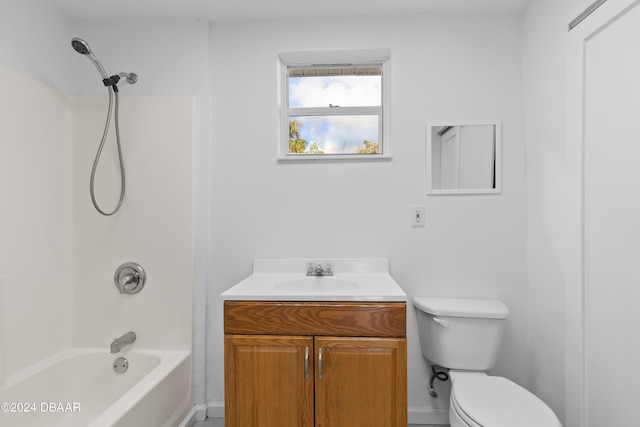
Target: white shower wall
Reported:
point(36, 221)
point(153, 227)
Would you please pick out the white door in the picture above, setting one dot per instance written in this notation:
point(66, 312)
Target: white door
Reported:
point(477, 160)
point(450, 159)
point(610, 139)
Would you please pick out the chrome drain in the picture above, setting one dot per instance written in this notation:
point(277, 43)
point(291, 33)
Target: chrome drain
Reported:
point(121, 365)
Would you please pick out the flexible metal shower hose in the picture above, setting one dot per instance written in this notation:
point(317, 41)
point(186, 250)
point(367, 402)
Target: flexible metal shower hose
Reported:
point(97, 159)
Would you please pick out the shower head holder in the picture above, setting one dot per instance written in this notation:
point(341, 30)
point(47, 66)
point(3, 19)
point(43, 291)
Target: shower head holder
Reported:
point(112, 81)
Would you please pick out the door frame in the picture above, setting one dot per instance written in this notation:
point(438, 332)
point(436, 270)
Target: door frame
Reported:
point(575, 267)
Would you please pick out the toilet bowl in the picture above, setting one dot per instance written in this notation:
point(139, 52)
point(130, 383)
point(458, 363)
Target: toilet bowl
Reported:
point(480, 400)
point(464, 336)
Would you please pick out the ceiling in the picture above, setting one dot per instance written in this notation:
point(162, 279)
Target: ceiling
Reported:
point(241, 10)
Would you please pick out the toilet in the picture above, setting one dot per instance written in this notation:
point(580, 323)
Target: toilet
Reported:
point(464, 335)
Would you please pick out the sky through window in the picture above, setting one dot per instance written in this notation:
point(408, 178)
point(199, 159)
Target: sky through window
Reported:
point(335, 132)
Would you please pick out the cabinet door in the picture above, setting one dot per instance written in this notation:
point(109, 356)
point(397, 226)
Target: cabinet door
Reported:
point(361, 382)
point(266, 381)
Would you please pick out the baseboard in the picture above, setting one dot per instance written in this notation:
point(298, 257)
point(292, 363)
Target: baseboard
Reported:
point(429, 416)
point(417, 415)
point(197, 413)
point(215, 409)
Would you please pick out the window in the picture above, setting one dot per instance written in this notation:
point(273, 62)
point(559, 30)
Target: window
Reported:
point(332, 108)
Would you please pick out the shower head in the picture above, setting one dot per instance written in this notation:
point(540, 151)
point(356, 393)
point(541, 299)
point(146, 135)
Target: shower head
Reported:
point(83, 48)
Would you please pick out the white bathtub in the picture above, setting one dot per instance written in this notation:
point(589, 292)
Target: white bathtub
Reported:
point(79, 387)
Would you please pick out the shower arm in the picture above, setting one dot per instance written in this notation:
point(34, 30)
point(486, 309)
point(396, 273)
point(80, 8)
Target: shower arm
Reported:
point(131, 78)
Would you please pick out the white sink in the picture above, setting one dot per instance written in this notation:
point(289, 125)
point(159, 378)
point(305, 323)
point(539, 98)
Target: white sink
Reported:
point(286, 280)
point(317, 284)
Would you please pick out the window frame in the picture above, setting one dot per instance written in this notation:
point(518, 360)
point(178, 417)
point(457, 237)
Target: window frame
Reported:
point(351, 58)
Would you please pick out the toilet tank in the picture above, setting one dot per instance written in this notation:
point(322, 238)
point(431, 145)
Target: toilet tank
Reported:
point(461, 333)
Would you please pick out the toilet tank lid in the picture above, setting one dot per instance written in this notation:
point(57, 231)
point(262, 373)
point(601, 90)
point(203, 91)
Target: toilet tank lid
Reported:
point(458, 307)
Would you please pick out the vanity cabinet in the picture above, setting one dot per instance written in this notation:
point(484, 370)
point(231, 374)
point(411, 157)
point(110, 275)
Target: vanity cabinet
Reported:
point(322, 364)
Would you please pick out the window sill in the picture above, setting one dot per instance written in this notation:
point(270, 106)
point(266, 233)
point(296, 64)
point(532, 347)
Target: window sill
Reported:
point(332, 157)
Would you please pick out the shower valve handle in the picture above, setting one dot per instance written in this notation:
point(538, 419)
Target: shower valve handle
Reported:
point(130, 278)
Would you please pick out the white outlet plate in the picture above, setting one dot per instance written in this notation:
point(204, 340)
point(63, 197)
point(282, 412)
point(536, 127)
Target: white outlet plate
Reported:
point(416, 216)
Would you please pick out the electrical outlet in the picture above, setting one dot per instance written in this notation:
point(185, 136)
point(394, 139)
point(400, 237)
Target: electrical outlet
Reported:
point(416, 215)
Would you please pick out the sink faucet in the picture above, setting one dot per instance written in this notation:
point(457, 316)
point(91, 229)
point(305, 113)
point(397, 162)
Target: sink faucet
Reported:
point(319, 270)
point(119, 343)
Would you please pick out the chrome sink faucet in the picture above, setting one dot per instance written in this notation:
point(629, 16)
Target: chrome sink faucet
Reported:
point(319, 269)
point(119, 343)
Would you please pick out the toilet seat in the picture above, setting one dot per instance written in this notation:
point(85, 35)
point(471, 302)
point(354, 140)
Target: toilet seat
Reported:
point(460, 414)
point(486, 401)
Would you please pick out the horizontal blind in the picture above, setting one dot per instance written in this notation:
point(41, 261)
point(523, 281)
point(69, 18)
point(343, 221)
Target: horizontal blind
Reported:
point(324, 71)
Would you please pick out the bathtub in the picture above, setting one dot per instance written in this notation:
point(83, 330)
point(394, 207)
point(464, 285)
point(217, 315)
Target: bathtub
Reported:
point(79, 387)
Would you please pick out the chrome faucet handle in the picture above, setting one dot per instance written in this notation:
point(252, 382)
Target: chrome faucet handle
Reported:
point(328, 269)
point(129, 278)
point(319, 269)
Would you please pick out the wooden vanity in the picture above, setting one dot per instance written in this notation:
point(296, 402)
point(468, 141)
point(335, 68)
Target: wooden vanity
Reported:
point(315, 364)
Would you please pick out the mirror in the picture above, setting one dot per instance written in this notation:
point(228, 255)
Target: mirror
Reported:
point(463, 158)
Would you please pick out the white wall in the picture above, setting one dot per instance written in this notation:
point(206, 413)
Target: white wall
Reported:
point(35, 41)
point(170, 58)
point(544, 64)
point(444, 67)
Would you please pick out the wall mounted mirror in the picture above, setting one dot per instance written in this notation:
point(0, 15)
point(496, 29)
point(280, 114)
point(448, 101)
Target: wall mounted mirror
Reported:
point(464, 157)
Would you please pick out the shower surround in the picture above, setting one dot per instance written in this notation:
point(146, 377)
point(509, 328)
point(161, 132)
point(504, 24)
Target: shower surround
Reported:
point(58, 255)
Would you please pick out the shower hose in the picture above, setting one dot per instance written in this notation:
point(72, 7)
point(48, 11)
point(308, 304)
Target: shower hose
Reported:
point(112, 93)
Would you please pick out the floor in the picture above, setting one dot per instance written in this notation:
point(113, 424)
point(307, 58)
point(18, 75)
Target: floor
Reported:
point(210, 422)
point(219, 422)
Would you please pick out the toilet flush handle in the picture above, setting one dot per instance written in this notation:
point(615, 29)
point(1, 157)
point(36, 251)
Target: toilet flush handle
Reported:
point(441, 321)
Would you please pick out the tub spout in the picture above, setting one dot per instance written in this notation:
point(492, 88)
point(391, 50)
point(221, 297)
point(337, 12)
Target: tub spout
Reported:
point(119, 343)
